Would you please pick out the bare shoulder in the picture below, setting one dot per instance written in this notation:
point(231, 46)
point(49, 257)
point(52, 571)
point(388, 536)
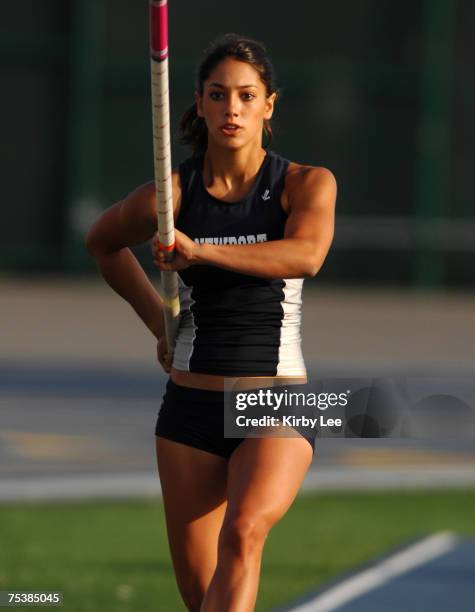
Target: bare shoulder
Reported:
point(143, 197)
point(141, 203)
point(130, 221)
point(302, 176)
point(304, 183)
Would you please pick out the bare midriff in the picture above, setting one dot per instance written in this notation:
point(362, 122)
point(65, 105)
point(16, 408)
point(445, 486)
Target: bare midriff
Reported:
point(213, 382)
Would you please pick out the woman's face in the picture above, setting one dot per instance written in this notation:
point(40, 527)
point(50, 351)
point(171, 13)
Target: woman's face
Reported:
point(234, 104)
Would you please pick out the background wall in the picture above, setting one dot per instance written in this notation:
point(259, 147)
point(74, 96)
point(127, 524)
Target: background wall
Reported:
point(381, 92)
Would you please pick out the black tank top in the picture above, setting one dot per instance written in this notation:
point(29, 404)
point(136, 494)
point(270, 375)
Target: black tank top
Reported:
point(234, 324)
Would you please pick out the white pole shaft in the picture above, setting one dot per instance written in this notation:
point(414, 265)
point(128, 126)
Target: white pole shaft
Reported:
point(162, 159)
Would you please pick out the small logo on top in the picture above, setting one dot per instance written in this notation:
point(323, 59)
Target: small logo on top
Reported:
point(266, 195)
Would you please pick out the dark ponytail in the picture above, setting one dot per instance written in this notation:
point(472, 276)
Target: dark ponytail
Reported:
point(193, 129)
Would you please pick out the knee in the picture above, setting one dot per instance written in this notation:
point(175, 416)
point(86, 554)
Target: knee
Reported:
point(244, 535)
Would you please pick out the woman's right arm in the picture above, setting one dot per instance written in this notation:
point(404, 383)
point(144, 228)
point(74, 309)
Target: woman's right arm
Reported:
point(127, 223)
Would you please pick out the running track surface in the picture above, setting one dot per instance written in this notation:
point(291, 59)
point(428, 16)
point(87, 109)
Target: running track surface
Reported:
point(432, 575)
point(80, 387)
point(74, 432)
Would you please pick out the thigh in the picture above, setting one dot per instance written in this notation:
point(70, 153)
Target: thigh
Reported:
point(193, 485)
point(264, 476)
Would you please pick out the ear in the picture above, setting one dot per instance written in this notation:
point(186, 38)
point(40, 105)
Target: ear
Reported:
point(269, 107)
point(199, 104)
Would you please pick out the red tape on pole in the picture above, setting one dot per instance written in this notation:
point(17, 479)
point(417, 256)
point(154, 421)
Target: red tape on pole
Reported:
point(159, 30)
point(165, 247)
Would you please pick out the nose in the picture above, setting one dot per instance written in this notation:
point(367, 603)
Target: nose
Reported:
point(232, 106)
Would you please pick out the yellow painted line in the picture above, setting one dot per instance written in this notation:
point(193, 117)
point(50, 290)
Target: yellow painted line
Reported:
point(397, 457)
point(40, 446)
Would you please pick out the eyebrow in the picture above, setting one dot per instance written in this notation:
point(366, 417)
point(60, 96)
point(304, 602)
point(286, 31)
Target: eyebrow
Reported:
point(223, 87)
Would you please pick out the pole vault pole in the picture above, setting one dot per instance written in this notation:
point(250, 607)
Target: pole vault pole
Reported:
point(162, 159)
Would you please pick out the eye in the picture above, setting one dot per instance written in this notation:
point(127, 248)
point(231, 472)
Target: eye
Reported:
point(216, 95)
point(247, 95)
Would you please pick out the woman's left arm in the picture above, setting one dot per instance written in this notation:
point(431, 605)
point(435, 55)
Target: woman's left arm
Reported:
point(307, 238)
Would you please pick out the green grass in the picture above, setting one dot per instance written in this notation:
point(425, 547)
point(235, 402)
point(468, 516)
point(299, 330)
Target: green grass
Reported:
point(114, 556)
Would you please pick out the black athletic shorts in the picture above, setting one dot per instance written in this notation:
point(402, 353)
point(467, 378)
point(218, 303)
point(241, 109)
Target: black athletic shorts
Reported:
point(196, 417)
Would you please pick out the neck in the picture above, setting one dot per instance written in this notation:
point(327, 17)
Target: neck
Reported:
point(231, 167)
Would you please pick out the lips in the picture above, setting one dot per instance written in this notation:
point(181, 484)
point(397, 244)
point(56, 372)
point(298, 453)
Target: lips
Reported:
point(230, 129)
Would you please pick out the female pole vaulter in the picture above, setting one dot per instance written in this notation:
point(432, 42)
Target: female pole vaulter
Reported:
point(250, 226)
